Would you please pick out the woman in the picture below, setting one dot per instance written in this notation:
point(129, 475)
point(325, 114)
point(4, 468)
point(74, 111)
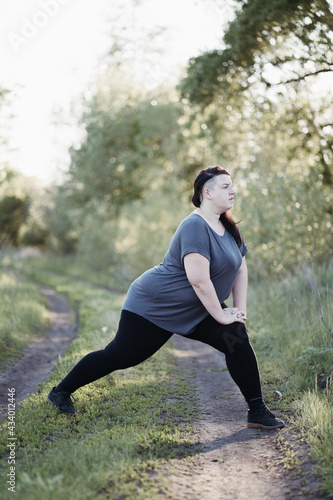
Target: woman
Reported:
point(185, 295)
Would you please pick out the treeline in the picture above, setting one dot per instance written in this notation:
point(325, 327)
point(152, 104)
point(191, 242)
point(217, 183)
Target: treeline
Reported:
point(259, 107)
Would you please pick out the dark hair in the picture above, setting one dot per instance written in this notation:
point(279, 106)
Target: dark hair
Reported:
point(202, 178)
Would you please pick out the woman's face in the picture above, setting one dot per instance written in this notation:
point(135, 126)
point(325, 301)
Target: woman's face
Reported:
point(221, 193)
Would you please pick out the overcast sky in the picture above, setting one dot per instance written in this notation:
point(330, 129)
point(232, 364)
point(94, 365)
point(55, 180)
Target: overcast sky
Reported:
point(51, 50)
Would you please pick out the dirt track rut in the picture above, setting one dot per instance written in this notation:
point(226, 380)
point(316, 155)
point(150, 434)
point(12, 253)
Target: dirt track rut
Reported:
point(39, 357)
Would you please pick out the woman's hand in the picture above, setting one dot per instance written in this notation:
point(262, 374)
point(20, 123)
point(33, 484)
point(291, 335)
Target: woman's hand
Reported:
point(233, 315)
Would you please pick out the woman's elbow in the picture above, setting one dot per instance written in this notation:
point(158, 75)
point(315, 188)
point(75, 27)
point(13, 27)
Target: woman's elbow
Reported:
point(198, 283)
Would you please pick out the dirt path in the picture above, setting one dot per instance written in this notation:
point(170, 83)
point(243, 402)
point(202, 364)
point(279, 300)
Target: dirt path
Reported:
point(39, 357)
point(235, 462)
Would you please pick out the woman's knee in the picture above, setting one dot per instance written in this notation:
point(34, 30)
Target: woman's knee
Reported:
point(111, 355)
point(235, 336)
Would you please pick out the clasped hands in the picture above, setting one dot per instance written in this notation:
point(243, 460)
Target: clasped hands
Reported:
point(233, 314)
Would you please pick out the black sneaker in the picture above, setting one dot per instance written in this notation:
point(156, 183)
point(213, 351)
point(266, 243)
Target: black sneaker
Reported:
point(263, 418)
point(61, 400)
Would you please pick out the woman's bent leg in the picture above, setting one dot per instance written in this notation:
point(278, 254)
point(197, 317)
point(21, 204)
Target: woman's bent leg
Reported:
point(233, 341)
point(136, 340)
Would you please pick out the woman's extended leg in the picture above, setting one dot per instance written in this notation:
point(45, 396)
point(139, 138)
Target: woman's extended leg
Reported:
point(136, 340)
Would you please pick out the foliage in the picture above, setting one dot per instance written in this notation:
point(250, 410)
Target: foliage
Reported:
point(23, 208)
point(112, 162)
point(131, 174)
point(289, 223)
point(291, 327)
point(293, 36)
point(63, 221)
point(275, 139)
point(283, 200)
point(315, 361)
point(118, 246)
point(70, 267)
point(272, 48)
point(34, 235)
point(36, 229)
point(292, 321)
point(126, 166)
point(145, 230)
point(13, 212)
point(314, 421)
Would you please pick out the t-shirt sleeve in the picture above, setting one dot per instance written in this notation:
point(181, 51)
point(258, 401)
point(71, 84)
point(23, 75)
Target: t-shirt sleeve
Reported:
point(243, 249)
point(193, 237)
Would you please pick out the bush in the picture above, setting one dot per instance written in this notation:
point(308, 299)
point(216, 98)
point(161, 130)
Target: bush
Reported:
point(13, 211)
point(132, 242)
point(95, 246)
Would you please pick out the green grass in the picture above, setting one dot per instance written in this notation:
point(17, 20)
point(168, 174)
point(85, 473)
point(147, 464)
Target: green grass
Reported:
point(23, 314)
point(68, 266)
point(291, 328)
point(131, 423)
point(314, 419)
point(128, 423)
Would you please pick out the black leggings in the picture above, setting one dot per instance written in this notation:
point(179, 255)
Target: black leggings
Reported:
point(137, 339)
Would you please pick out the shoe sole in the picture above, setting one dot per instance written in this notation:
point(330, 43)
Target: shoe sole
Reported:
point(266, 427)
point(48, 400)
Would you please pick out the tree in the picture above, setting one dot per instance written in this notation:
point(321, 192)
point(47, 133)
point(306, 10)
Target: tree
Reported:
point(274, 51)
point(292, 36)
point(128, 164)
point(122, 145)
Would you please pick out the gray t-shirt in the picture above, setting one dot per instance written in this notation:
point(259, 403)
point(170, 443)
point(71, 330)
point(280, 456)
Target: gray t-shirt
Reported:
point(163, 294)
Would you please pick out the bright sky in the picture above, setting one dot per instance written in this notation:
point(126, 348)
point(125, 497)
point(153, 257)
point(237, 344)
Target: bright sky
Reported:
point(50, 52)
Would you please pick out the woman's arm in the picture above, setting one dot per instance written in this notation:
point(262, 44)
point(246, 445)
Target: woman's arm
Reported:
point(239, 291)
point(197, 271)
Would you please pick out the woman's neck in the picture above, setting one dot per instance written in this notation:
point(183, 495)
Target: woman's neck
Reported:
point(207, 214)
point(211, 218)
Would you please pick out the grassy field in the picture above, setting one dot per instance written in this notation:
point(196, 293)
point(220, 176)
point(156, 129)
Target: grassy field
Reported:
point(131, 423)
point(23, 314)
point(291, 326)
